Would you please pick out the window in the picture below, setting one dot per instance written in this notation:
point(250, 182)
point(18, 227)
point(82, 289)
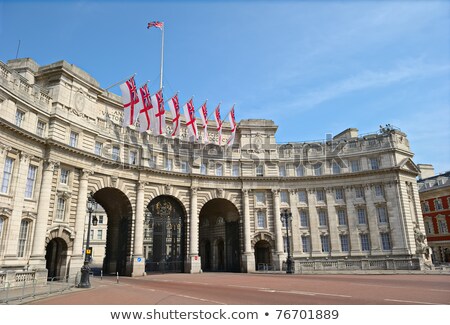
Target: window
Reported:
point(325, 241)
point(361, 216)
point(320, 195)
point(365, 244)
point(60, 208)
point(382, 215)
point(285, 243)
point(302, 197)
point(132, 158)
point(260, 197)
point(438, 204)
point(91, 235)
point(115, 153)
point(40, 128)
point(20, 116)
point(354, 166)
point(352, 144)
point(342, 218)
point(219, 170)
point(429, 227)
point(379, 192)
point(345, 247)
point(152, 161)
point(284, 197)
point(385, 241)
point(299, 170)
point(235, 170)
point(374, 163)
point(261, 217)
point(2, 222)
point(442, 226)
point(73, 142)
point(168, 164)
point(260, 170)
point(317, 169)
point(339, 194)
point(304, 222)
point(336, 168)
point(99, 234)
point(184, 167)
point(100, 219)
point(306, 244)
point(322, 218)
point(23, 236)
point(203, 169)
point(31, 178)
point(282, 170)
point(425, 206)
point(98, 148)
point(64, 177)
point(359, 192)
point(7, 172)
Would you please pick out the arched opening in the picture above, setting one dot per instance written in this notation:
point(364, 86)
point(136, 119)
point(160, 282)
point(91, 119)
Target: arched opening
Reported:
point(219, 224)
point(118, 239)
point(263, 255)
point(56, 258)
point(165, 235)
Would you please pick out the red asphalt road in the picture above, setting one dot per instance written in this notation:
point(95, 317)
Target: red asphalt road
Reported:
point(260, 289)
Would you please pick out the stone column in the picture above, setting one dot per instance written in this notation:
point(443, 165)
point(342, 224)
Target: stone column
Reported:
point(194, 258)
point(37, 259)
point(295, 225)
point(18, 192)
point(279, 249)
point(316, 246)
point(80, 221)
point(249, 256)
point(333, 224)
point(138, 258)
point(372, 220)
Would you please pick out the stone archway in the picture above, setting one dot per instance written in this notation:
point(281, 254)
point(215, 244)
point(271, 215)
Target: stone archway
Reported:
point(263, 258)
point(56, 258)
point(165, 229)
point(219, 225)
point(118, 240)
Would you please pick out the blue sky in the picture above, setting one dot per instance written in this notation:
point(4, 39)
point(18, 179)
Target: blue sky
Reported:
point(313, 67)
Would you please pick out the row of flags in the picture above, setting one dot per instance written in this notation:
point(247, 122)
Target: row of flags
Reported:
point(149, 110)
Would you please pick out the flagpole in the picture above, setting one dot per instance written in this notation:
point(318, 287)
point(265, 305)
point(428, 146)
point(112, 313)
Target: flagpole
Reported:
point(162, 57)
point(198, 109)
point(121, 81)
point(172, 96)
point(213, 110)
point(228, 113)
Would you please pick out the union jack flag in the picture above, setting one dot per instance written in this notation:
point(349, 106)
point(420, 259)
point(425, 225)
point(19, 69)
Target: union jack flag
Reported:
point(157, 24)
point(130, 99)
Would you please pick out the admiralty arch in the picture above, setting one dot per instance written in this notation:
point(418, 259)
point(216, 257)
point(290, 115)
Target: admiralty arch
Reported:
point(191, 207)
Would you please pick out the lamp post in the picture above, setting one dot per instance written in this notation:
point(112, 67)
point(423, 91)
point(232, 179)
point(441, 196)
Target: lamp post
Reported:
point(286, 217)
point(85, 269)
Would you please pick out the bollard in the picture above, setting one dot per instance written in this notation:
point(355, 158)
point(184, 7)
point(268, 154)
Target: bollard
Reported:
point(101, 274)
point(117, 275)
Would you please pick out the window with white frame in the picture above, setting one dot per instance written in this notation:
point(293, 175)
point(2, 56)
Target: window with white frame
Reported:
point(322, 217)
point(98, 148)
point(91, 235)
point(64, 176)
point(7, 173)
point(20, 116)
point(336, 168)
point(260, 197)
point(339, 194)
point(235, 170)
point(325, 241)
point(382, 214)
point(429, 229)
point(73, 141)
point(31, 179)
point(425, 206)
point(438, 204)
point(219, 169)
point(168, 164)
point(132, 157)
point(23, 237)
point(355, 166)
point(282, 170)
point(317, 169)
point(304, 219)
point(261, 218)
point(100, 219)
point(40, 128)
point(203, 169)
point(60, 209)
point(365, 243)
point(442, 226)
point(302, 198)
point(362, 220)
point(284, 197)
point(152, 161)
point(99, 234)
point(320, 195)
point(184, 166)
point(342, 217)
point(385, 241)
point(359, 192)
point(379, 192)
point(306, 244)
point(299, 171)
point(115, 154)
point(345, 243)
point(260, 170)
point(374, 163)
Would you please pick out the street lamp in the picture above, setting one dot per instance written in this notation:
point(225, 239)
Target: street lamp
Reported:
point(286, 218)
point(85, 269)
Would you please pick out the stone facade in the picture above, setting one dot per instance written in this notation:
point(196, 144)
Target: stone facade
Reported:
point(188, 206)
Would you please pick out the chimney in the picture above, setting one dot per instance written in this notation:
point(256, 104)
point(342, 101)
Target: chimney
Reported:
point(426, 171)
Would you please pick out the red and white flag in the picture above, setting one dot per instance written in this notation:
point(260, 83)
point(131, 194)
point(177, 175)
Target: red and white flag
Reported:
point(232, 120)
point(146, 111)
point(218, 123)
point(204, 116)
point(189, 114)
point(157, 24)
point(160, 118)
point(130, 99)
point(175, 110)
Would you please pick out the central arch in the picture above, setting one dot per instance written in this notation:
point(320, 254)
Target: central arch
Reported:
point(118, 240)
point(220, 236)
